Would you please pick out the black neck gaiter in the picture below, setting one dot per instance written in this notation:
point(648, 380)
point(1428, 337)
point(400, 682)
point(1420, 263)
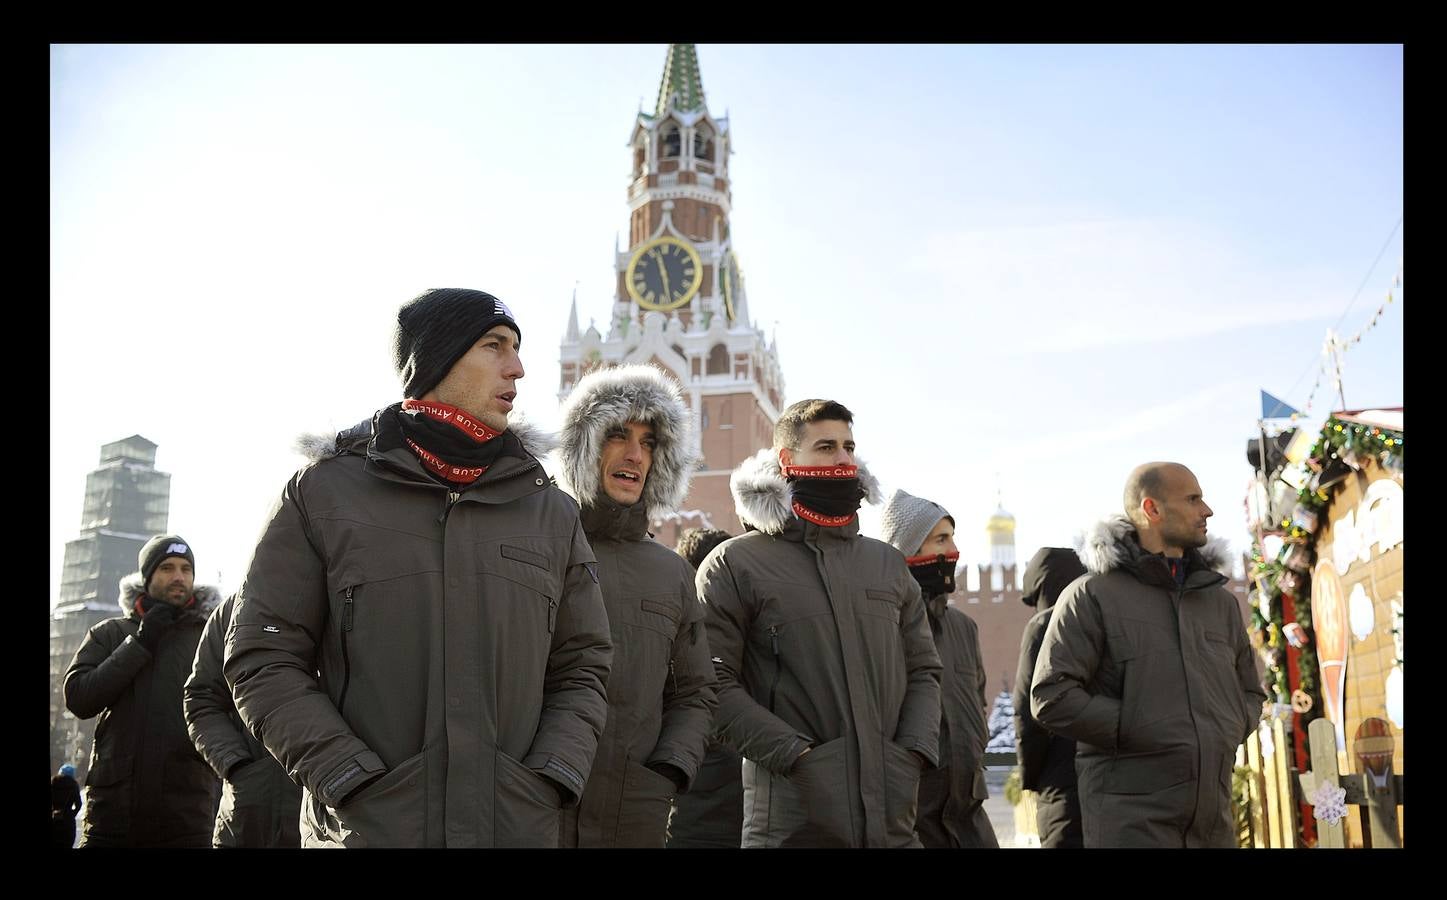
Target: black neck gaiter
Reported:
point(825, 495)
point(935, 574)
point(452, 445)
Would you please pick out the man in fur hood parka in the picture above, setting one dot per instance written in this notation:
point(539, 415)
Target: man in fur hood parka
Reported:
point(420, 639)
point(829, 682)
point(146, 786)
point(1146, 665)
point(627, 452)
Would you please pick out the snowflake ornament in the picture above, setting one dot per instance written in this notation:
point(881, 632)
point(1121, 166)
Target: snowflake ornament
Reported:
point(1328, 802)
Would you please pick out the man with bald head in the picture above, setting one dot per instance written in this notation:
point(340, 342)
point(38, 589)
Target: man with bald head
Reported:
point(1145, 664)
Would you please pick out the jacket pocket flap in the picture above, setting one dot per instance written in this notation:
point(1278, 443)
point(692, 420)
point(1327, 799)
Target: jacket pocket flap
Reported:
point(1146, 774)
point(525, 567)
point(665, 605)
point(526, 556)
point(979, 789)
point(1122, 646)
point(881, 603)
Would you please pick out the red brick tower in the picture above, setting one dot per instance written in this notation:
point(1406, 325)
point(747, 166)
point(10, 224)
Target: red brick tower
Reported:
point(679, 300)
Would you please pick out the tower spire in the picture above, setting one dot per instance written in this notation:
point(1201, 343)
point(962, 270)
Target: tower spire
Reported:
point(572, 333)
point(682, 82)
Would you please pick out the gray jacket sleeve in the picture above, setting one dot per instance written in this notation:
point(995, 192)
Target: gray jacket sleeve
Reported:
point(1248, 673)
point(741, 723)
point(1069, 657)
point(102, 669)
point(919, 715)
point(1032, 741)
point(207, 699)
point(980, 673)
point(575, 699)
point(270, 663)
point(689, 695)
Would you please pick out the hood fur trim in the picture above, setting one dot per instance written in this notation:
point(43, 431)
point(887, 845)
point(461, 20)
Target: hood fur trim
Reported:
point(611, 398)
point(133, 587)
point(1104, 548)
point(764, 499)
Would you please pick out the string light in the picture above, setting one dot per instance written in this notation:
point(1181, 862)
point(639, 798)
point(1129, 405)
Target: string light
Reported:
point(1335, 348)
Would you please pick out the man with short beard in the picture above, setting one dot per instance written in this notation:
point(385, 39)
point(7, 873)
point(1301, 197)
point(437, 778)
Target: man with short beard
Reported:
point(951, 797)
point(1145, 664)
point(628, 451)
point(146, 786)
point(829, 683)
point(420, 639)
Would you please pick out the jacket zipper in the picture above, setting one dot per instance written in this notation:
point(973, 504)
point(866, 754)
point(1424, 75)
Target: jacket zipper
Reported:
point(778, 667)
point(672, 677)
point(346, 661)
point(452, 497)
point(1190, 707)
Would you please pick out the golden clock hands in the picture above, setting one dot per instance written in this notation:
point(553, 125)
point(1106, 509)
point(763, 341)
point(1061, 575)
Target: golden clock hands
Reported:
point(667, 292)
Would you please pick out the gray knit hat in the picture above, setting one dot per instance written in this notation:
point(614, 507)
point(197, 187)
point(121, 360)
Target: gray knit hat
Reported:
point(908, 520)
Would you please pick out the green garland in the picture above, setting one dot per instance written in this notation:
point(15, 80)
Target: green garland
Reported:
point(1349, 442)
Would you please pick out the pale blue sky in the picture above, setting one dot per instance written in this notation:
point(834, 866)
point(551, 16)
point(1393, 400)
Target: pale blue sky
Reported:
point(1046, 262)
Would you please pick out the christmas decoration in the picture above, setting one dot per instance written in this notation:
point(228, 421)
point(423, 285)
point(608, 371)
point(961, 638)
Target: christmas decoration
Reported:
point(1328, 803)
point(1283, 567)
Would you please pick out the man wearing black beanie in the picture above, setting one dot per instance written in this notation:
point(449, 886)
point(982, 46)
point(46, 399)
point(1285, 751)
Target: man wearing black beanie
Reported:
point(146, 786)
point(420, 639)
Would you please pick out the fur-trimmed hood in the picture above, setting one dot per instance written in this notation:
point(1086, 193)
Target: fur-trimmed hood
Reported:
point(133, 587)
point(611, 398)
point(317, 446)
point(764, 499)
point(1111, 544)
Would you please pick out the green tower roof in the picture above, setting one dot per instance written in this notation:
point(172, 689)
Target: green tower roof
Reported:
point(681, 78)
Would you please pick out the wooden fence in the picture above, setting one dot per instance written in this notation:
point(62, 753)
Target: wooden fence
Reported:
point(1275, 792)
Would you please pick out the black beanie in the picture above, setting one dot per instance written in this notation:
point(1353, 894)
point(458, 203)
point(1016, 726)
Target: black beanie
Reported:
point(160, 548)
point(438, 326)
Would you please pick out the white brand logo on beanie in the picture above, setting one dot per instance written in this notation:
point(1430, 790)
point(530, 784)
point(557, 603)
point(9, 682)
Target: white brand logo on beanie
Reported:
point(177, 548)
point(502, 309)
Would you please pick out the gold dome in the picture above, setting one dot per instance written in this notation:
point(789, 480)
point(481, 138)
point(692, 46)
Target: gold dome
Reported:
point(1001, 522)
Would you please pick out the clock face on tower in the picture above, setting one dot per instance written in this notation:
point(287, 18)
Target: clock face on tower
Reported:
point(664, 274)
point(731, 285)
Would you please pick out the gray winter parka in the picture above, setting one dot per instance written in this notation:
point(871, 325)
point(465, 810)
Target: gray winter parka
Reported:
point(952, 797)
point(146, 785)
point(819, 637)
point(661, 688)
point(260, 806)
point(1157, 684)
point(453, 639)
